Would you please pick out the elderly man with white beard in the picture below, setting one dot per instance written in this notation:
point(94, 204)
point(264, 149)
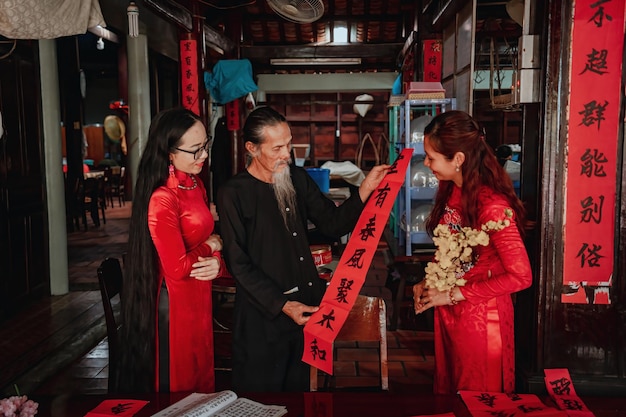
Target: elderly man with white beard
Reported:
point(264, 212)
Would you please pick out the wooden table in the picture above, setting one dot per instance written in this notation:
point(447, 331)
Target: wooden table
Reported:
point(93, 174)
point(298, 404)
point(337, 404)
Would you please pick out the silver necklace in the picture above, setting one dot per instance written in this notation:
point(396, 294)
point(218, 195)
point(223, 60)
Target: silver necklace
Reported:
point(194, 186)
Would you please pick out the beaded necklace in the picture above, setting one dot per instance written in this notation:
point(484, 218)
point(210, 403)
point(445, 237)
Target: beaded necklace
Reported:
point(195, 184)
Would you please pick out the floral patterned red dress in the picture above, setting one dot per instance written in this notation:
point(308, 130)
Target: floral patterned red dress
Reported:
point(474, 340)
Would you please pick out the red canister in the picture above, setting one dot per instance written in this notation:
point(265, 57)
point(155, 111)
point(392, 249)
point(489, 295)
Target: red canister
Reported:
point(322, 254)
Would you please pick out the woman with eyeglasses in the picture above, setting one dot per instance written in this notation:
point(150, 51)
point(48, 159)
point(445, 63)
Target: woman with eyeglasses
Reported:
point(173, 255)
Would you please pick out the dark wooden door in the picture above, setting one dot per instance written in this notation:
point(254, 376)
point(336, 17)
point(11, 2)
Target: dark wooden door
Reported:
point(24, 266)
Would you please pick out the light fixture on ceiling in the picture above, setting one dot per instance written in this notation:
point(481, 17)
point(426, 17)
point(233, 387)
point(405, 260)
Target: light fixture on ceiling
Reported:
point(315, 61)
point(340, 33)
point(133, 19)
point(104, 33)
point(99, 44)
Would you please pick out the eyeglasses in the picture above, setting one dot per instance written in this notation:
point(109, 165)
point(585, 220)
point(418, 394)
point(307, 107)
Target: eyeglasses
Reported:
point(198, 153)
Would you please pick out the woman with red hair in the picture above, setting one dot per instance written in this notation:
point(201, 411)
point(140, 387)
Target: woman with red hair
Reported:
point(474, 346)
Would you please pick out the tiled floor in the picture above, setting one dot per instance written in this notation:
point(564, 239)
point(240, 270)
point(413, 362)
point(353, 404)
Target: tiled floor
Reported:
point(69, 352)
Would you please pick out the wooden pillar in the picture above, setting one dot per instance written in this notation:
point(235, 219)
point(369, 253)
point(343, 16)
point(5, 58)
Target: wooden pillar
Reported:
point(71, 114)
point(53, 176)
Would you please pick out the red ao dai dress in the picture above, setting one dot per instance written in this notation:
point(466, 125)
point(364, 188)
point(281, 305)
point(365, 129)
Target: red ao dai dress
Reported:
point(474, 340)
point(180, 222)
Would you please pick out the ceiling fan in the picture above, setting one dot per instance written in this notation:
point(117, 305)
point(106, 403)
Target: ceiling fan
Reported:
point(298, 11)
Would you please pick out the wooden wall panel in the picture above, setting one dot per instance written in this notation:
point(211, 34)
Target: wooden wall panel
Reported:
point(95, 142)
point(316, 118)
point(298, 107)
point(349, 142)
point(324, 139)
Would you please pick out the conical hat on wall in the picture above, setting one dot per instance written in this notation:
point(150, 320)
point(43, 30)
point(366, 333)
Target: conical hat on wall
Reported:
point(114, 128)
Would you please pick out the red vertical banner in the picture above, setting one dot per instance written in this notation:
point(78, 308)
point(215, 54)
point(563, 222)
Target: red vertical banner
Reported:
point(232, 115)
point(189, 75)
point(325, 324)
point(432, 60)
point(592, 143)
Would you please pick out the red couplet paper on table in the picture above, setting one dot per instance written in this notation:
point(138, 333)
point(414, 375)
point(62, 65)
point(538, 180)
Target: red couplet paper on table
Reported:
point(561, 388)
point(323, 327)
point(489, 404)
point(437, 415)
point(318, 404)
point(118, 408)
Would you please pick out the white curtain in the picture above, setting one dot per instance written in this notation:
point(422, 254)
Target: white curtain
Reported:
point(48, 19)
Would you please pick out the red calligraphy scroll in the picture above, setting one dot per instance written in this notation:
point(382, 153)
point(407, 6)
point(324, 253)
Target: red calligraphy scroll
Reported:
point(593, 130)
point(189, 75)
point(120, 408)
point(489, 404)
point(432, 60)
point(324, 326)
point(232, 115)
point(560, 388)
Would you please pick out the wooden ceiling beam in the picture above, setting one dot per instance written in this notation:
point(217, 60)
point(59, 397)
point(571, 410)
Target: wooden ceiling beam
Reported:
point(183, 18)
point(354, 18)
point(265, 68)
point(327, 51)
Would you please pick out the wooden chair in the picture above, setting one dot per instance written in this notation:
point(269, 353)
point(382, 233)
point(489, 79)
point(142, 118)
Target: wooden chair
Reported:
point(409, 273)
point(75, 204)
point(108, 178)
point(115, 186)
point(223, 288)
point(110, 279)
point(88, 197)
point(367, 322)
point(94, 199)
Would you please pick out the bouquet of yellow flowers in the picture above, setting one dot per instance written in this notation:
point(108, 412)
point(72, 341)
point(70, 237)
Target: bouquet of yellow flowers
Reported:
point(454, 255)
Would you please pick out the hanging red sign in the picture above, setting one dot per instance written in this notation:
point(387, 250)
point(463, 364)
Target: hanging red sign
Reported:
point(232, 115)
point(593, 136)
point(324, 325)
point(189, 75)
point(432, 60)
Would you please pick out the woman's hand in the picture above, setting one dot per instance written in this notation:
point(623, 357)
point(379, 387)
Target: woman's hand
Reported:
point(425, 298)
point(206, 269)
point(418, 289)
point(215, 243)
point(372, 181)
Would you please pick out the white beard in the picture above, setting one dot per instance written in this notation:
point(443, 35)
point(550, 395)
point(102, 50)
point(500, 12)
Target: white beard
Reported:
point(285, 194)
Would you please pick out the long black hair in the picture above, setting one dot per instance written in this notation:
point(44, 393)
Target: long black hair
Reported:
point(456, 131)
point(257, 120)
point(141, 264)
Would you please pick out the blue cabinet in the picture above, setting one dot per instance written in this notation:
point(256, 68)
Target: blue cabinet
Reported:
point(407, 120)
